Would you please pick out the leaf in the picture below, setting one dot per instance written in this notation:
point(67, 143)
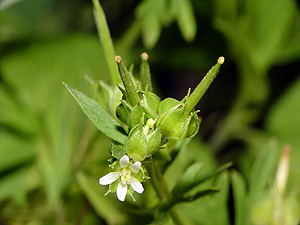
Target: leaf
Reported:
point(191, 178)
point(187, 21)
point(102, 205)
point(15, 151)
point(106, 41)
point(239, 192)
point(200, 193)
point(151, 30)
point(263, 168)
point(99, 117)
point(18, 183)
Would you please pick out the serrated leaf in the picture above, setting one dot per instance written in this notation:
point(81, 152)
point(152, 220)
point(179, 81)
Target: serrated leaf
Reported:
point(99, 117)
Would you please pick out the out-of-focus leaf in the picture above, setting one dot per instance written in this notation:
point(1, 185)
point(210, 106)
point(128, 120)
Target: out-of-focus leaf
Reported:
point(261, 31)
point(283, 122)
point(283, 119)
point(17, 184)
point(15, 151)
point(199, 193)
point(215, 206)
point(105, 40)
point(187, 178)
point(239, 195)
point(263, 168)
point(102, 205)
point(34, 75)
point(193, 178)
point(186, 20)
point(15, 116)
point(4, 4)
point(151, 30)
point(100, 118)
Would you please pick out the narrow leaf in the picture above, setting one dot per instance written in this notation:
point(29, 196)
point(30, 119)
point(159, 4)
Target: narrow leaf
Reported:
point(106, 41)
point(264, 167)
point(99, 117)
point(239, 192)
point(191, 197)
point(191, 178)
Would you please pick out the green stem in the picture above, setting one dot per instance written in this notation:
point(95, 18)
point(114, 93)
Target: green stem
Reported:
point(106, 41)
point(201, 88)
point(161, 189)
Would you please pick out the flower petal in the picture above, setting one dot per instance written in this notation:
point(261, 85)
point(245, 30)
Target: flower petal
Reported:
point(136, 166)
point(109, 178)
point(122, 191)
point(124, 161)
point(136, 185)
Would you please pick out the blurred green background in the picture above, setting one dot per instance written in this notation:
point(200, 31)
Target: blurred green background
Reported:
point(51, 156)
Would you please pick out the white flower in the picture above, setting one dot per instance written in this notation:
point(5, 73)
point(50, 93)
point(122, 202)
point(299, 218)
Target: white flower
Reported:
point(125, 176)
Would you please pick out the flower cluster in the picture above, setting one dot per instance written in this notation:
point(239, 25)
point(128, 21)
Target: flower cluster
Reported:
point(150, 123)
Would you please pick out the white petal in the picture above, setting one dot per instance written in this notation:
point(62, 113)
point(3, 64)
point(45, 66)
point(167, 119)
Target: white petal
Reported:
point(136, 185)
point(124, 161)
point(122, 191)
point(136, 166)
point(109, 178)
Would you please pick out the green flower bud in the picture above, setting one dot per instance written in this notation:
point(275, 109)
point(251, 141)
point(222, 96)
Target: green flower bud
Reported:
point(143, 141)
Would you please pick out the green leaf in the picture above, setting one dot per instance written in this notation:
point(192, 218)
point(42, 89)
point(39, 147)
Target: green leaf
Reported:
point(102, 205)
point(17, 184)
point(200, 193)
point(99, 117)
point(191, 178)
point(239, 192)
point(106, 41)
point(15, 151)
point(187, 21)
point(263, 168)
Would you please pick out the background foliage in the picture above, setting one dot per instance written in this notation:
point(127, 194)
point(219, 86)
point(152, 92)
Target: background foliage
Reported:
point(51, 156)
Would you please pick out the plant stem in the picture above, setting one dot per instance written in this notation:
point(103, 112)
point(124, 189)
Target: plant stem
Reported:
point(105, 40)
point(161, 189)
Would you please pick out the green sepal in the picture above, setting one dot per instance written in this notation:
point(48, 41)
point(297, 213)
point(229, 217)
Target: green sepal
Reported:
point(154, 142)
point(135, 116)
point(137, 143)
point(117, 151)
point(123, 111)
